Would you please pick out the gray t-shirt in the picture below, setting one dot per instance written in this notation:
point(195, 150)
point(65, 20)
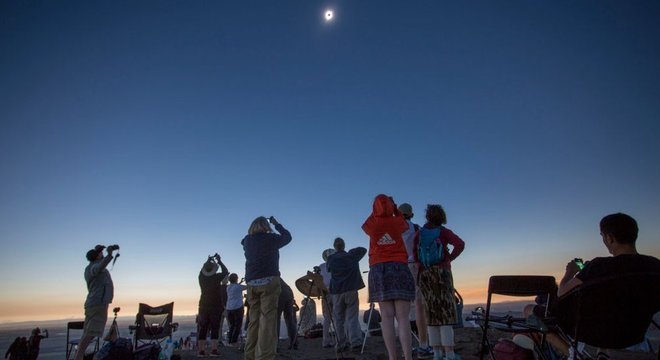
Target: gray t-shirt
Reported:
point(99, 283)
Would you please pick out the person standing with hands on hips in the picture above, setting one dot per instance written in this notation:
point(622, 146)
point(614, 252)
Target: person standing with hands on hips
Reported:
point(100, 293)
point(435, 279)
point(262, 274)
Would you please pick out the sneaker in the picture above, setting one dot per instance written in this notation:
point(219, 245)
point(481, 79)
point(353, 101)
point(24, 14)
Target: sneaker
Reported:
point(424, 353)
point(215, 353)
point(201, 354)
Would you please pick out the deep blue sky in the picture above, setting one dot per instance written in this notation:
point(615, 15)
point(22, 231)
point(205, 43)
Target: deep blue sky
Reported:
point(168, 126)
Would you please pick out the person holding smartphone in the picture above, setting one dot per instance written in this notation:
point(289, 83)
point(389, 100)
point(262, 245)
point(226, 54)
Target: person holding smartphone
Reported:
point(618, 233)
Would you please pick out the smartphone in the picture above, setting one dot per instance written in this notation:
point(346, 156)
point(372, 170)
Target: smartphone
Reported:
point(579, 263)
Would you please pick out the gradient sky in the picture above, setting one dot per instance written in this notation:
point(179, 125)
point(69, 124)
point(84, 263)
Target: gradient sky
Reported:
point(168, 126)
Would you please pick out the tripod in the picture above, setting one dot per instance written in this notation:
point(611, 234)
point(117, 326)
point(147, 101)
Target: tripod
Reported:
point(369, 331)
point(311, 285)
point(113, 333)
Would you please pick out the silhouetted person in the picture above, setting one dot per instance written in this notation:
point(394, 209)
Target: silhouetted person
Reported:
point(35, 342)
point(15, 352)
point(210, 303)
point(286, 305)
point(345, 281)
point(235, 308)
point(100, 293)
point(262, 273)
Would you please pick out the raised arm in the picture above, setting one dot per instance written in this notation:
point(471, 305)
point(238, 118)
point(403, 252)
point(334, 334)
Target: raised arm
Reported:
point(569, 281)
point(358, 252)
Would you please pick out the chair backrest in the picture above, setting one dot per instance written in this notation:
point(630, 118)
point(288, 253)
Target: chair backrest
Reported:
point(73, 340)
point(153, 323)
point(523, 285)
point(75, 325)
point(613, 312)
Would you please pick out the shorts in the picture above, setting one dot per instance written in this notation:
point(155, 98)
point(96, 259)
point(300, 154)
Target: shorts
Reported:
point(208, 319)
point(95, 319)
point(390, 281)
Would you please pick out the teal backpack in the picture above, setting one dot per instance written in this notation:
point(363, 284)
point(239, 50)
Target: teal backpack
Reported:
point(429, 250)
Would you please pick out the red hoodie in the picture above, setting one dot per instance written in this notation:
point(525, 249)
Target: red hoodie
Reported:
point(384, 227)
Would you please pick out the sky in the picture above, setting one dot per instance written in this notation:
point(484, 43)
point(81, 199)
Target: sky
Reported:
point(168, 126)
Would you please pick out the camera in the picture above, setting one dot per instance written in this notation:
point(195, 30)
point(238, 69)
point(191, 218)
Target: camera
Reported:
point(113, 247)
point(579, 263)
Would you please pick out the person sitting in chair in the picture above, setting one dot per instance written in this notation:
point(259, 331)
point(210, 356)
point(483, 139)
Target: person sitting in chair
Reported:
point(619, 235)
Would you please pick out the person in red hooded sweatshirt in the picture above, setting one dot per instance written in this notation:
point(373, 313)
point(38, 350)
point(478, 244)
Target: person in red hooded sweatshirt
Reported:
point(391, 284)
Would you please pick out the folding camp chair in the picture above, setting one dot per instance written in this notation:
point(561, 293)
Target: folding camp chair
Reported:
point(610, 313)
point(543, 287)
point(72, 342)
point(153, 325)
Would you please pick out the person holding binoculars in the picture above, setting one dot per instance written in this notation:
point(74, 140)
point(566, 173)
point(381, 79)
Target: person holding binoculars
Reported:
point(100, 293)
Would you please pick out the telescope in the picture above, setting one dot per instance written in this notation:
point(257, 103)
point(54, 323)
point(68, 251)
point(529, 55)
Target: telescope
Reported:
point(312, 285)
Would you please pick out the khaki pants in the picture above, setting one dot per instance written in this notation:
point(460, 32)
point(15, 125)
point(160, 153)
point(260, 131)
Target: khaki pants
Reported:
point(262, 330)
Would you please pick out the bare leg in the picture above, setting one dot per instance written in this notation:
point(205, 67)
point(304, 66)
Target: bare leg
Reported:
point(553, 339)
point(387, 327)
point(420, 319)
point(402, 309)
point(82, 346)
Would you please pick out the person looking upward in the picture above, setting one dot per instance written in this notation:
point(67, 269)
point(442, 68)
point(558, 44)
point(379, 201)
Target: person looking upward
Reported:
point(345, 281)
point(262, 274)
point(391, 284)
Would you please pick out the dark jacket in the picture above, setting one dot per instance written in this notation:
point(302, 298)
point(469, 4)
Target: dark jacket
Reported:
point(211, 287)
point(344, 268)
point(262, 253)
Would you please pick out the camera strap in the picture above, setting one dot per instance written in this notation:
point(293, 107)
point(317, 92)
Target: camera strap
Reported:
point(114, 261)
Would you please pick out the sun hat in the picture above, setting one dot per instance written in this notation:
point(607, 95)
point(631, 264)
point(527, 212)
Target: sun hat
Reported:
point(406, 209)
point(209, 268)
point(326, 253)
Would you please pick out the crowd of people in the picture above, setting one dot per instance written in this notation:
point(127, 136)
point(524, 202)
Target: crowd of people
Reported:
point(409, 265)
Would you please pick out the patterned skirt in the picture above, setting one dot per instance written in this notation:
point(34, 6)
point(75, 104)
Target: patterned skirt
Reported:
point(390, 281)
point(437, 286)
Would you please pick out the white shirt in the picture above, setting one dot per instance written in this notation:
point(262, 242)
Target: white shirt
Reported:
point(235, 296)
point(325, 274)
point(408, 240)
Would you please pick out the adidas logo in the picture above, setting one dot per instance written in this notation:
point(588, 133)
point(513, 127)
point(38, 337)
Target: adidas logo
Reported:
point(386, 240)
